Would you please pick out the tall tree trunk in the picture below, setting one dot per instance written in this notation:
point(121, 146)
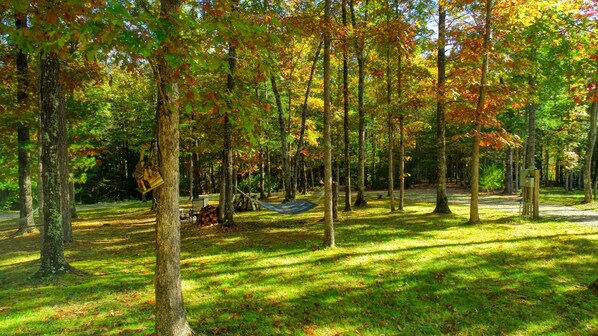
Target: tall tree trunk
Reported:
point(474, 215)
point(222, 188)
point(530, 162)
point(335, 184)
point(301, 144)
point(328, 216)
point(286, 164)
point(73, 205)
point(346, 129)
point(211, 179)
point(508, 171)
point(229, 191)
point(401, 132)
point(268, 173)
point(26, 224)
point(360, 45)
point(52, 111)
point(517, 161)
point(587, 187)
point(171, 318)
point(262, 173)
point(441, 197)
point(191, 171)
point(391, 170)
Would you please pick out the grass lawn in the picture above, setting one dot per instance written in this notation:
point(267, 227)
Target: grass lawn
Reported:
point(411, 273)
point(558, 196)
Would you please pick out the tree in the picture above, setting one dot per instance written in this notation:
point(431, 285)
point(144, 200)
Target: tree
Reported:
point(441, 197)
point(52, 135)
point(25, 196)
point(286, 164)
point(346, 129)
point(171, 318)
point(360, 49)
point(328, 221)
point(474, 216)
point(591, 142)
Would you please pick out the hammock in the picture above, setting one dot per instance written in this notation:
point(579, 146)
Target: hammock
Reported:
point(291, 208)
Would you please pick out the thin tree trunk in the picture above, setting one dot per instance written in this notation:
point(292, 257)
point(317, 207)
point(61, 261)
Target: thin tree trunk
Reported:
point(391, 170)
point(517, 169)
point(222, 188)
point(346, 129)
point(335, 191)
point(508, 171)
point(26, 224)
point(401, 132)
point(441, 197)
point(328, 219)
point(286, 164)
point(301, 144)
point(211, 179)
point(474, 215)
point(73, 205)
point(587, 187)
point(530, 162)
point(262, 173)
point(229, 191)
point(51, 99)
point(268, 173)
point(171, 318)
point(191, 171)
point(360, 45)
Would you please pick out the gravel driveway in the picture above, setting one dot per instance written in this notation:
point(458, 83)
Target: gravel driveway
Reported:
point(510, 204)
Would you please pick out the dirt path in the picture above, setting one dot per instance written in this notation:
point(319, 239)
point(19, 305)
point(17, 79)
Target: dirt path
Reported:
point(511, 204)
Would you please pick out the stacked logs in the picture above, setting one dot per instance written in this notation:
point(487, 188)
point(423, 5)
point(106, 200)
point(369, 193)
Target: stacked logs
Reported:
point(244, 203)
point(208, 215)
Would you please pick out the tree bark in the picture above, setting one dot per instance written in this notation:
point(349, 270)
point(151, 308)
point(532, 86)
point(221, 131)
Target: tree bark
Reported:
point(26, 224)
point(328, 216)
point(268, 173)
point(286, 164)
point(229, 191)
point(346, 129)
point(360, 45)
point(591, 142)
point(171, 318)
point(301, 144)
point(262, 173)
point(441, 197)
point(191, 170)
point(508, 171)
point(530, 161)
point(52, 111)
point(391, 170)
point(401, 132)
point(474, 215)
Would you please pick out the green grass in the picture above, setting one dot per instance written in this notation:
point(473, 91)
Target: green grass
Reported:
point(558, 196)
point(411, 273)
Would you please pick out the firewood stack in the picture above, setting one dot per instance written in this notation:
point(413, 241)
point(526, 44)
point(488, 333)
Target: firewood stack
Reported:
point(244, 203)
point(208, 215)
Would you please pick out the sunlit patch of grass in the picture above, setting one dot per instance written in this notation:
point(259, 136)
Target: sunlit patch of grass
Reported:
point(412, 273)
point(574, 198)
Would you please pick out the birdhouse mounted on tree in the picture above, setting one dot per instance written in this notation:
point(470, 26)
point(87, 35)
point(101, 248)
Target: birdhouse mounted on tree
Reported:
point(147, 175)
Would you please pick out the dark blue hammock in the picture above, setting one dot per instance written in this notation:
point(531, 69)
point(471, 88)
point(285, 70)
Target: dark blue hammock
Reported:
point(291, 208)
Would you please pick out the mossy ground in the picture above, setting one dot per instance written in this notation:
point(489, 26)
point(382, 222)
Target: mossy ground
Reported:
point(410, 273)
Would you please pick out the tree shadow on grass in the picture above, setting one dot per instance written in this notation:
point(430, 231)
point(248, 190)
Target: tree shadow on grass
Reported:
point(490, 292)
